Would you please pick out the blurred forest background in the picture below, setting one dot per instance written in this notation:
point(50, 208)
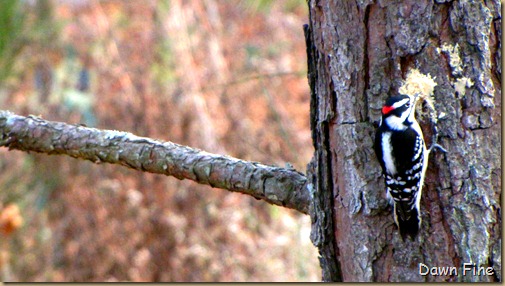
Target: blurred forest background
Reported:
point(228, 77)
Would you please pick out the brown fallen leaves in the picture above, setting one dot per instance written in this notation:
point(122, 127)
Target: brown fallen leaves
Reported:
point(10, 219)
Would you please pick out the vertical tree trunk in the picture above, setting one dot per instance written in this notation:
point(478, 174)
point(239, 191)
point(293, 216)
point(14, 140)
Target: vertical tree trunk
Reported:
point(358, 54)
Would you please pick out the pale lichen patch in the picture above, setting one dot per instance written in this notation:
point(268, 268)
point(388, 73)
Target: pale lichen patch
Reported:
point(422, 86)
point(461, 84)
point(454, 58)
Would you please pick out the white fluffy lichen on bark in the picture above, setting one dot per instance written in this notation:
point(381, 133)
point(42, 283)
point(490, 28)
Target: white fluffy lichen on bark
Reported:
point(422, 85)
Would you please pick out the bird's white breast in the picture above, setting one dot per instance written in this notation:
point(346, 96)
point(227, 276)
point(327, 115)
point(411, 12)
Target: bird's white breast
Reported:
point(387, 153)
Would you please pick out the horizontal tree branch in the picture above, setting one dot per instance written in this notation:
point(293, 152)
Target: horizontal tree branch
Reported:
point(279, 186)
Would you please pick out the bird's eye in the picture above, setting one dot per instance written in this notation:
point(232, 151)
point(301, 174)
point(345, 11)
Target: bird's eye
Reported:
point(407, 104)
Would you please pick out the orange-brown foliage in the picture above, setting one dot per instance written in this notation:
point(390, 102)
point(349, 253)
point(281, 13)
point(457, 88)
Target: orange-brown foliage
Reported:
point(10, 219)
point(215, 75)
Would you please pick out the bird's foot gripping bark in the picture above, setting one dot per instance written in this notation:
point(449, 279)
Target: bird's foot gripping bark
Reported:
point(434, 140)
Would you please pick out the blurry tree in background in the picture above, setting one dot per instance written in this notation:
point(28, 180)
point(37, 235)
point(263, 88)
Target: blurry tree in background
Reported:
point(224, 76)
point(11, 25)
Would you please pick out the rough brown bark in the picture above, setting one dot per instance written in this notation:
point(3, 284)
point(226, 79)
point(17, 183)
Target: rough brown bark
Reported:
point(320, 175)
point(359, 52)
point(279, 186)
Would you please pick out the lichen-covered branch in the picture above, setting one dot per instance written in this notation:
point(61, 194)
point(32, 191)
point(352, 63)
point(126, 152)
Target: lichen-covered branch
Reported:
point(279, 186)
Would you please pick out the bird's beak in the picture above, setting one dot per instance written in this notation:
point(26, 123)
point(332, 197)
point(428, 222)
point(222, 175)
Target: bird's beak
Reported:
point(416, 97)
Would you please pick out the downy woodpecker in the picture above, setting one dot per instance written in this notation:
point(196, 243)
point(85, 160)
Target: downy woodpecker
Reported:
point(400, 148)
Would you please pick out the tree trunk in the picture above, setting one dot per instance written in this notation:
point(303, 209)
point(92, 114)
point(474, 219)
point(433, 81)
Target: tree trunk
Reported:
point(359, 52)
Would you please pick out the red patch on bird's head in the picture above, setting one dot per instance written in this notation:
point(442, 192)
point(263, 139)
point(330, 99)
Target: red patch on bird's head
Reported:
point(387, 109)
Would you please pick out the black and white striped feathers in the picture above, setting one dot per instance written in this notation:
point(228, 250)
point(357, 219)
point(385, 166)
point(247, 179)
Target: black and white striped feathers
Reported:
point(400, 148)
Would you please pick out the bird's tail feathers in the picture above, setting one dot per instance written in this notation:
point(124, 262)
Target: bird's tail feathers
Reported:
point(407, 219)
